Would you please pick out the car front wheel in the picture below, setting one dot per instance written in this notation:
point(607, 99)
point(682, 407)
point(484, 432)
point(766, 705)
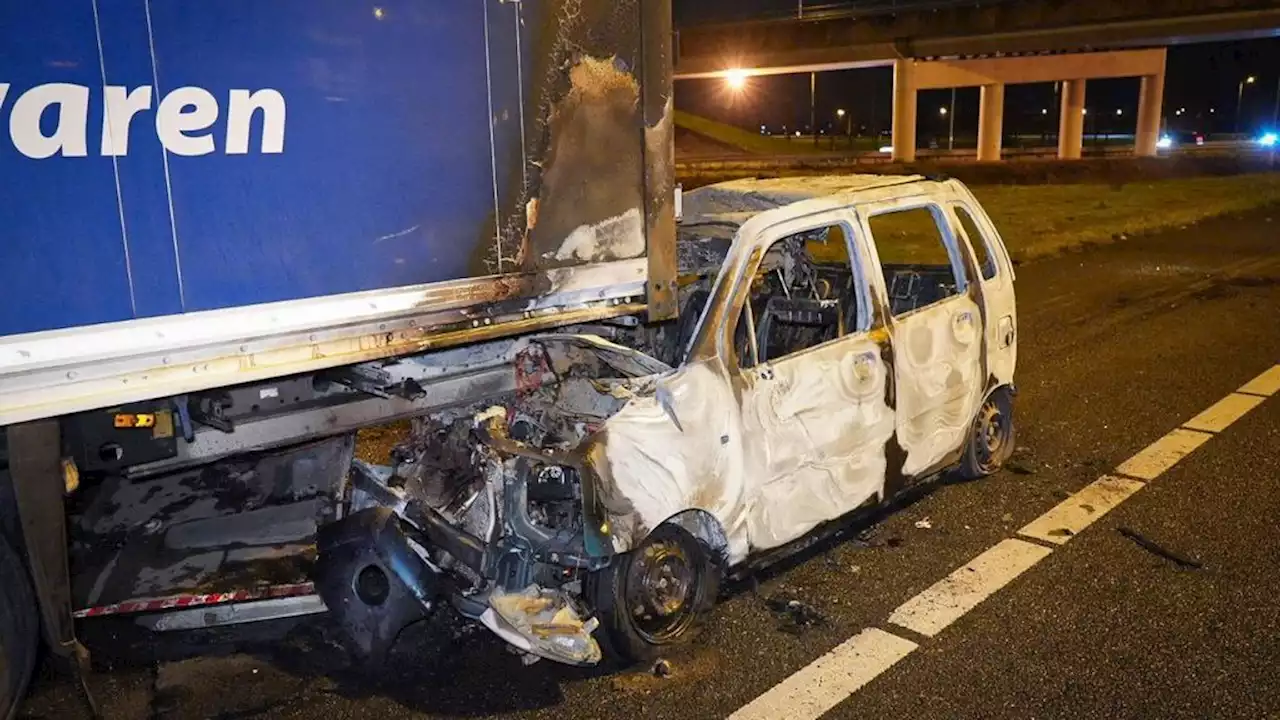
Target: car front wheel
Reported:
point(655, 596)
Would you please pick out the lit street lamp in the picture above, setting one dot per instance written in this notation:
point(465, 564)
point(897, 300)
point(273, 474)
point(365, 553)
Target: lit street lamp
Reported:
point(736, 80)
point(1240, 97)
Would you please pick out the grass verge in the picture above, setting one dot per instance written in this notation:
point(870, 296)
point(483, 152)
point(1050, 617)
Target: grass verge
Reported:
point(1040, 220)
point(767, 145)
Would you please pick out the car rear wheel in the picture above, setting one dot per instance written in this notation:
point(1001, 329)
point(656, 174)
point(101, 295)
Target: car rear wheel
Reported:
point(991, 441)
point(655, 596)
point(19, 630)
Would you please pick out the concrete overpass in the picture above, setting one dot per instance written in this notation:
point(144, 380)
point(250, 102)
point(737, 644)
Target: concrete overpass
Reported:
point(948, 29)
point(950, 45)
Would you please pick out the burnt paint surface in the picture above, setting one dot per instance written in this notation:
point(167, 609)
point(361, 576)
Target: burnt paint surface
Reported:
point(592, 162)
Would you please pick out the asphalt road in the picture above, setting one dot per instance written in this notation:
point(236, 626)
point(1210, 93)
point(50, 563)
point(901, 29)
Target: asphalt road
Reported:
point(1119, 345)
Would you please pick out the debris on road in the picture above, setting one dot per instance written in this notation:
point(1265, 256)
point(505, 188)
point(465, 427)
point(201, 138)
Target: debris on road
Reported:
point(924, 524)
point(796, 616)
point(1151, 547)
point(869, 538)
point(662, 668)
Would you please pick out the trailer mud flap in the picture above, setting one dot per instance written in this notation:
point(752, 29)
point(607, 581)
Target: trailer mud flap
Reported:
point(374, 584)
point(35, 467)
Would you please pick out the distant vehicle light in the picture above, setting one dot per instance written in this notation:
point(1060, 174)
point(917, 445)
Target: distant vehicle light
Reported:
point(1267, 140)
point(1199, 139)
point(1165, 142)
point(886, 149)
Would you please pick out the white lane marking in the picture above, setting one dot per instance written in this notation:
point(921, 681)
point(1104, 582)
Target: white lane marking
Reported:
point(1267, 384)
point(1081, 510)
point(951, 597)
point(1221, 414)
point(827, 681)
point(1163, 454)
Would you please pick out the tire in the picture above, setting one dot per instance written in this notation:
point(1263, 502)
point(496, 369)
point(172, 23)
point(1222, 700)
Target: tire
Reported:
point(624, 595)
point(992, 438)
point(19, 630)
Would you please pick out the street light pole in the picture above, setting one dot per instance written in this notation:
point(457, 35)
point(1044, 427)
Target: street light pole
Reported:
point(813, 102)
point(1240, 98)
point(951, 126)
point(1275, 112)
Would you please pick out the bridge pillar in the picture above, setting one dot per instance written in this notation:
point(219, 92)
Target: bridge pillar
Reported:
point(904, 110)
point(1071, 122)
point(990, 122)
point(1150, 101)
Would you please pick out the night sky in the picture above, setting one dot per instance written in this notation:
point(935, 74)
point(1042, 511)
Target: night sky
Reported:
point(1200, 77)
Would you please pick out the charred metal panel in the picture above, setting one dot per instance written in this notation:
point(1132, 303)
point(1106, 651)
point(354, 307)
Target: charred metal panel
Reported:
point(590, 79)
point(660, 149)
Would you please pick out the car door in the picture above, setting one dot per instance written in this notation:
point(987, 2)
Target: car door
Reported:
point(814, 380)
point(937, 329)
point(999, 307)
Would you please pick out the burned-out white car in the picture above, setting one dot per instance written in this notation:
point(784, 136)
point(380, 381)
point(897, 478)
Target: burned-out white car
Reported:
point(841, 339)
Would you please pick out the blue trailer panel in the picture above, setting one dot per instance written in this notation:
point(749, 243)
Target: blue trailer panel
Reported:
point(167, 156)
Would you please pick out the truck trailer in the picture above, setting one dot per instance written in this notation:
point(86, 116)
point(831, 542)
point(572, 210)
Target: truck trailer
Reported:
point(229, 227)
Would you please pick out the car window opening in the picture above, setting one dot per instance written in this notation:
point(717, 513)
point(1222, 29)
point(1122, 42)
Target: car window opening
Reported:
point(919, 269)
point(804, 293)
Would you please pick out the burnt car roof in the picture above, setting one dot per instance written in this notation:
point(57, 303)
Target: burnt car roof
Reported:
point(730, 204)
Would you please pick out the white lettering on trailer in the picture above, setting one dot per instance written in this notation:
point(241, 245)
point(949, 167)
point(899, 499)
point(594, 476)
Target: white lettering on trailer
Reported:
point(185, 110)
point(184, 120)
point(68, 137)
point(121, 106)
point(243, 105)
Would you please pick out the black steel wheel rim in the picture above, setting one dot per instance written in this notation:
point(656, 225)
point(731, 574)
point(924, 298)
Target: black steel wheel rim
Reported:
point(992, 434)
point(661, 591)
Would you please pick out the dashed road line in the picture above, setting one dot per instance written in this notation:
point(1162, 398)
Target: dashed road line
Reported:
point(1221, 414)
point(1266, 384)
point(930, 612)
point(826, 682)
point(1081, 510)
point(1163, 454)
